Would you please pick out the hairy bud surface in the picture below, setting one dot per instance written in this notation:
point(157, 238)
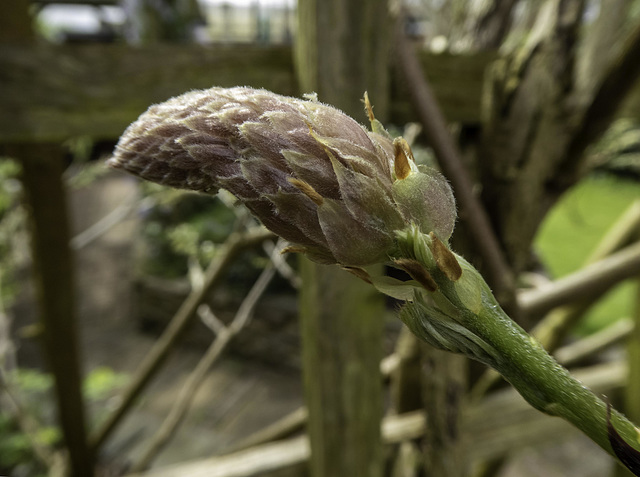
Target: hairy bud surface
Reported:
point(309, 172)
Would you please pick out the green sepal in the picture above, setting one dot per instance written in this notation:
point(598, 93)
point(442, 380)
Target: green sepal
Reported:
point(398, 289)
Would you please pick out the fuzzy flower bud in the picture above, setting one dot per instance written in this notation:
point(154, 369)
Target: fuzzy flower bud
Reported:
point(310, 173)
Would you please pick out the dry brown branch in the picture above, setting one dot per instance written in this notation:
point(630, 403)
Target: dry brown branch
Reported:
point(235, 244)
point(102, 226)
point(498, 425)
point(295, 420)
point(279, 261)
point(188, 391)
point(590, 280)
point(587, 347)
point(261, 460)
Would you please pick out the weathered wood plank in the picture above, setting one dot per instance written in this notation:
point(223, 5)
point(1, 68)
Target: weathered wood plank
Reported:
point(457, 82)
point(52, 93)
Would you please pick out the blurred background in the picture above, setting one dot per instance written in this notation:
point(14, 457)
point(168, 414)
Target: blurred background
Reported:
point(151, 331)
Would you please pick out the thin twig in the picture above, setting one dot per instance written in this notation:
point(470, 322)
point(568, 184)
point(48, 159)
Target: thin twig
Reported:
point(575, 352)
point(283, 268)
point(490, 422)
point(210, 320)
point(471, 210)
point(235, 244)
point(196, 378)
point(297, 419)
point(102, 226)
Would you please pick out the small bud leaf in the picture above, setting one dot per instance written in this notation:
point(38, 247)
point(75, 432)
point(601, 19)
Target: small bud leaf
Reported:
point(307, 190)
point(403, 154)
point(446, 261)
point(418, 272)
point(361, 273)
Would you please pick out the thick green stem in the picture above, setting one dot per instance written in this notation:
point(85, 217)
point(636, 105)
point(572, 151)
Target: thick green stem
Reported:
point(463, 316)
point(545, 384)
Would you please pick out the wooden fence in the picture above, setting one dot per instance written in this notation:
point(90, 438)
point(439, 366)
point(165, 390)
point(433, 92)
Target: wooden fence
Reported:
point(51, 93)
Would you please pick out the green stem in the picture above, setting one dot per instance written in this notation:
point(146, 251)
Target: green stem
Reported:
point(463, 316)
point(545, 384)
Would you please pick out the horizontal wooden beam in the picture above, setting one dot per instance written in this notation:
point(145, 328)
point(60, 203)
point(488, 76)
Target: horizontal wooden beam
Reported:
point(75, 2)
point(50, 93)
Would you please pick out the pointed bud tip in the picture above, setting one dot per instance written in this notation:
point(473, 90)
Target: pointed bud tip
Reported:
point(368, 108)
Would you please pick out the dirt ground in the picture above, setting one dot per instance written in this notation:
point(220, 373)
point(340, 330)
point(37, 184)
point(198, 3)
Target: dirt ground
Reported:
point(239, 396)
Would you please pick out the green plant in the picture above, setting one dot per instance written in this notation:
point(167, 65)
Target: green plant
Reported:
point(32, 426)
point(345, 195)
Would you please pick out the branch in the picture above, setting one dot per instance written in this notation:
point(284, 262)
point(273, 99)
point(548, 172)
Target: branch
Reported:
point(29, 427)
point(262, 459)
point(196, 378)
point(103, 225)
point(471, 210)
point(590, 280)
point(297, 419)
point(491, 422)
point(494, 24)
point(235, 244)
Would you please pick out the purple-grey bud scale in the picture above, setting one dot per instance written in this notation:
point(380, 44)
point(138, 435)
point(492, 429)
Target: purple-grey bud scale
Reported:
point(309, 172)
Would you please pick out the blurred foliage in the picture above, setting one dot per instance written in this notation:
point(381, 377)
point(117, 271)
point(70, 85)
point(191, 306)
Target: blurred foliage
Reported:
point(619, 150)
point(179, 225)
point(32, 388)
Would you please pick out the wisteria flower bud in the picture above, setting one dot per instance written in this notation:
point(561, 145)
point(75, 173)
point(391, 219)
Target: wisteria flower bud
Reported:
point(309, 172)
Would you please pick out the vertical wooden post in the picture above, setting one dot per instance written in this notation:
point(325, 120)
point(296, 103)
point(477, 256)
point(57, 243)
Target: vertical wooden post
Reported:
point(341, 51)
point(444, 384)
point(42, 178)
point(342, 336)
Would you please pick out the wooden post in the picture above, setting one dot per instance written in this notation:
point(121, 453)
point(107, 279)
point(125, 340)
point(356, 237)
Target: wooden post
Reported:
point(341, 336)
point(341, 51)
point(42, 178)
